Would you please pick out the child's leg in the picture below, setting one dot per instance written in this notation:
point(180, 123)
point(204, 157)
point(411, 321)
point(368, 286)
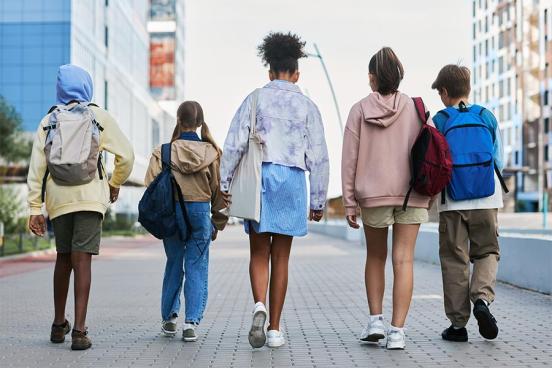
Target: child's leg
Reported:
point(404, 242)
point(484, 254)
point(374, 269)
point(279, 261)
point(453, 252)
point(196, 269)
point(259, 245)
point(62, 275)
point(172, 280)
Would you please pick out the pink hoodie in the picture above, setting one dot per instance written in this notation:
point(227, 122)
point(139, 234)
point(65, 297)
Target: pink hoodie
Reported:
point(375, 166)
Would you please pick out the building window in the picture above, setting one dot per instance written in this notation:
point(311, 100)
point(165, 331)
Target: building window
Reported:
point(474, 31)
point(545, 98)
point(106, 3)
point(473, 8)
point(106, 36)
point(501, 65)
point(474, 53)
point(487, 47)
point(517, 158)
point(486, 24)
point(106, 94)
point(546, 125)
point(546, 153)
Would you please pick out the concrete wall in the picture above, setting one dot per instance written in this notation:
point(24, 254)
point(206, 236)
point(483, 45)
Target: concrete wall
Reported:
point(526, 259)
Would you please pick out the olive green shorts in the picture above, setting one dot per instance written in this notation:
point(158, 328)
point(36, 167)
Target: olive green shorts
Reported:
point(380, 217)
point(78, 232)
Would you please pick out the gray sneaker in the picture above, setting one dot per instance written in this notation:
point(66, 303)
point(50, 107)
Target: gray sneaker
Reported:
point(169, 327)
point(188, 332)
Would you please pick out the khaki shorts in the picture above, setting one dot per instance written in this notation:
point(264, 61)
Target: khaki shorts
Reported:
point(380, 217)
point(78, 232)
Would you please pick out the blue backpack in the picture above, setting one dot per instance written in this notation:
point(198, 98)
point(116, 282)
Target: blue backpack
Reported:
point(471, 141)
point(157, 208)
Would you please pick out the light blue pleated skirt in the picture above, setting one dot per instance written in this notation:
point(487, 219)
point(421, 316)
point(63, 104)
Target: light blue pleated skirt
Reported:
point(283, 201)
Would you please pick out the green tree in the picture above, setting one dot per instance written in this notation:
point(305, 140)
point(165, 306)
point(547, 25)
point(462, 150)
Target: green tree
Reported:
point(13, 145)
point(11, 208)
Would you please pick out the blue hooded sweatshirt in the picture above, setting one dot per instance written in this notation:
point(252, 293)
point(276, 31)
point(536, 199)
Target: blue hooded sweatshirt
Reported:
point(73, 83)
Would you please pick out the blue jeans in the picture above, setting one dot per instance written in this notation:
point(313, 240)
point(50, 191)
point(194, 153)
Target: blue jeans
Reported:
point(189, 261)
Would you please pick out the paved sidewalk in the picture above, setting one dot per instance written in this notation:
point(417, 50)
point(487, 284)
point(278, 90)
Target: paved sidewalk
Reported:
point(324, 313)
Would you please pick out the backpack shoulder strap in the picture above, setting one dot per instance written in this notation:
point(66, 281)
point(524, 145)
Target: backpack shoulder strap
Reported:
point(166, 155)
point(476, 109)
point(423, 115)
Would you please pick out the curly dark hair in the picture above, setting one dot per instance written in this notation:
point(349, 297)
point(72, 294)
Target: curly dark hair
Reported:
point(281, 51)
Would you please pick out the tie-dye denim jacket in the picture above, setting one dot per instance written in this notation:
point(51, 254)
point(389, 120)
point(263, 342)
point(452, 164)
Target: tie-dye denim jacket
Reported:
point(291, 129)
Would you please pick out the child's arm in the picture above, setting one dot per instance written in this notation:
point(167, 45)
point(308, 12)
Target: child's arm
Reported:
point(154, 168)
point(316, 159)
point(498, 153)
point(236, 143)
point(218, 203)
point(349, 160)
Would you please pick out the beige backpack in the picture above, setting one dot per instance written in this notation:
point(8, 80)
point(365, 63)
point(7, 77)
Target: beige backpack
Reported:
point(72, 146)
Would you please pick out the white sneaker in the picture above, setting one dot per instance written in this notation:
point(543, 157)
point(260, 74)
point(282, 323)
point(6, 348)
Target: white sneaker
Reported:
point(188, 332)
point(275, 338)
point(374, 331)
point(257, 334)
point(396, 339)
point(169, 327)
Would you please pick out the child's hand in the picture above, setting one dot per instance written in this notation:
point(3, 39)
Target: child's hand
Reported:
point(227, 197)
point(316, 215)
point(37, 225)
point(214, 234)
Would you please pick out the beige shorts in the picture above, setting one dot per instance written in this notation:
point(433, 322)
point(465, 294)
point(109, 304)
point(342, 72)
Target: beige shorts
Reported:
point(380, 217)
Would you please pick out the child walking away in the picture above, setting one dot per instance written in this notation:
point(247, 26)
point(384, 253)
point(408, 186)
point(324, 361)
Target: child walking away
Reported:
point(290, 128)
point(469, 206)
point(194, 163)
point(375, 170)
point(68, 176)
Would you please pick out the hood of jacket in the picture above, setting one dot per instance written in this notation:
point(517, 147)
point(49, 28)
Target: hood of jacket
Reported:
point(189, 157)
point(383, 110)
point(73, 83)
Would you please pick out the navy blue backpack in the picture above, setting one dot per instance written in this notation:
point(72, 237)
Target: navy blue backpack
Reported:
point(471, 142)
point(157, 208)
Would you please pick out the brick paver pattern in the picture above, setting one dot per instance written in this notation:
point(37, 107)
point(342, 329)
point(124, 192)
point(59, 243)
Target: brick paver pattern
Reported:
point(325, 311)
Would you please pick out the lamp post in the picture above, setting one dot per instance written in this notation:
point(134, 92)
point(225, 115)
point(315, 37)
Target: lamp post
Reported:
point(319, 57)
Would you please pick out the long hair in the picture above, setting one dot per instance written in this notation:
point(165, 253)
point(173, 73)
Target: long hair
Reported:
point(190, 116)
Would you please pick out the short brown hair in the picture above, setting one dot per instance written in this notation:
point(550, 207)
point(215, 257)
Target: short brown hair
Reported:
point(388, 70)
point(455, 79)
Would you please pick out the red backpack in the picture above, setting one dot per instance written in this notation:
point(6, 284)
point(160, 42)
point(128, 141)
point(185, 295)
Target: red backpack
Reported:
point(430, 160)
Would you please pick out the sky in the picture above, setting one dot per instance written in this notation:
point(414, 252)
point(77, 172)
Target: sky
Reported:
point(222, 66)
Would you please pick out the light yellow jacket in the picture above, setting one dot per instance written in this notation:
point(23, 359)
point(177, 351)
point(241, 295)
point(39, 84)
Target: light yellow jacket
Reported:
point(93, 196)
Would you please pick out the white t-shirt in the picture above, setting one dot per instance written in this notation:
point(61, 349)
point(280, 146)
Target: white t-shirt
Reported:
point(494, 201)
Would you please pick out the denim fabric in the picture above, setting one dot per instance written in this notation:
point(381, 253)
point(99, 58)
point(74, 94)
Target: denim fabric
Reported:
point(188, 261)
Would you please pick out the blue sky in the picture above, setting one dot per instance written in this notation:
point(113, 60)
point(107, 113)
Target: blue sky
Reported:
point(222, 66)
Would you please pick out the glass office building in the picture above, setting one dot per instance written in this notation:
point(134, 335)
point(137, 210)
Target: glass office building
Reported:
point(108, 38)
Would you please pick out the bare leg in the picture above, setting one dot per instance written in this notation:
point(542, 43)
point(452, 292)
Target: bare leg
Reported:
point(279, 260)
point(374, 271)
point(62, 275)
point(82, 264)
point(259, 245)
point(404, 242)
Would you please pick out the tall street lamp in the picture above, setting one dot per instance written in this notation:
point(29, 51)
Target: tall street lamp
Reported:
point(319, 57)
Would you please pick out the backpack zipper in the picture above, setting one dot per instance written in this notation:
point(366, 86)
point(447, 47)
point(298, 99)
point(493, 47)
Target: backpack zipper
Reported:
point(484, 163)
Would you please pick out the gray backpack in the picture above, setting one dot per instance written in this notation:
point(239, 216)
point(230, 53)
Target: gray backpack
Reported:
point(72, 147)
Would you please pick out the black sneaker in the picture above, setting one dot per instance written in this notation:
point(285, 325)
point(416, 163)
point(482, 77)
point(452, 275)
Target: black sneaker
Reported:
point(486, 321)
point(455, 334)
